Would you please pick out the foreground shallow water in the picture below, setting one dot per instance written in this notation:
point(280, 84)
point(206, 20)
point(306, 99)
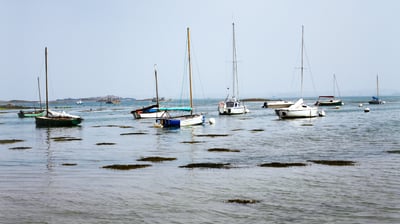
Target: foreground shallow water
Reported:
point(56, 175)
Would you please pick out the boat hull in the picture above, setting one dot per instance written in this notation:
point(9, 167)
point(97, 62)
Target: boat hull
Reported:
point(297, 110)
point(329, 103)
point(225, 109)
point(376, 102)
point(30, 114)
point(142, 115)
point(57, 121)
point(154, 111)
point(146, 112)
point(182, 121)
point(285, 113)
point(277, 104)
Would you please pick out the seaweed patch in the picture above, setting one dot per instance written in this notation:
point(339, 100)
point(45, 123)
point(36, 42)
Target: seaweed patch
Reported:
point(192, 142)
point(212, 135)
point(394, 151)
point(125, 126)
point(66, 139)
point(257, 130)
point(20, 148)
point(222, 150)
point(126, 166)
point(281, 165)
point(134, 133)
point(208, 165)
point(334, 162)
point(156, 159)
point(243, 201)
point(10, 141)
point(69, 164)
point(105, 143)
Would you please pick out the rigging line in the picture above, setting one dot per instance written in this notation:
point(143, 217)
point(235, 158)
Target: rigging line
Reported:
point(184, 75)
point(41, 71)
point(309, 66)
point(296, 78)
point(337, 86)
point(197, 73)
point(153, 87)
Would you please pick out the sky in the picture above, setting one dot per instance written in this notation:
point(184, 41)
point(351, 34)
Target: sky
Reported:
point(110, 47)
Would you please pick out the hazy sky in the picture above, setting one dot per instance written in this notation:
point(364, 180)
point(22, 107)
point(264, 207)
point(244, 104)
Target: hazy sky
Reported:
point(99, 47)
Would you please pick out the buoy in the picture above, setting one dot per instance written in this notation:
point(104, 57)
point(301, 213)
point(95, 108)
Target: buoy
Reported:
point(360, 105)
point(157, 125)
point(366, 110)
point(211, 121)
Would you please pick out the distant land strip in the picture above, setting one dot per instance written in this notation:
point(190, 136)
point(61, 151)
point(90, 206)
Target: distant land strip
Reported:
point(255, 100)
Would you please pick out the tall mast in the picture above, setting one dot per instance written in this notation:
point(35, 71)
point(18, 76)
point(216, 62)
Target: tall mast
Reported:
point(190, 71)
point(47, 88)
point(377, 86)
point(302, 51)
point(40, 97)
point(235, 91)
point(155, 74)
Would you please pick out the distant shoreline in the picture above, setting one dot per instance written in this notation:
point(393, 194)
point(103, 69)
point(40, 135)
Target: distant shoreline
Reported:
point(31, 104)
point(13, 107)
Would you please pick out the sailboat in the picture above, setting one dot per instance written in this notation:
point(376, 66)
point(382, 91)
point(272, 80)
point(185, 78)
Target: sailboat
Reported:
point(277, 104)
point(34, 113)
point(376, 99)
point(154, 111)
point(299, 109)
point(232, 105)
point(191, 119)
point(330, 100)
point(52, 118)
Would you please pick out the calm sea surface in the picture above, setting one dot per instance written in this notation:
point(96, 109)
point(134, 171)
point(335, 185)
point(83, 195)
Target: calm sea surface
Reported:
point(64, 182)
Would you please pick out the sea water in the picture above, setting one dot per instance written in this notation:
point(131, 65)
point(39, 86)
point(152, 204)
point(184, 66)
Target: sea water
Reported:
point(53, 181)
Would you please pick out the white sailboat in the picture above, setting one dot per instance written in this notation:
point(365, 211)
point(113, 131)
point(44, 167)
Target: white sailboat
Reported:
point(232, 105)
point(154, 111)
point(376, 99)
point(299, 109)
point(167, 121)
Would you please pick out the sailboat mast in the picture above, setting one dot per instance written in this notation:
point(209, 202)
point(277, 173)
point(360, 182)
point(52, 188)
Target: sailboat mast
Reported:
point(47, 88)
point(40, 97)
point(235, 91)
point(377, 86)
point(155, 75)
point(190, 71)
point(302, 51)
